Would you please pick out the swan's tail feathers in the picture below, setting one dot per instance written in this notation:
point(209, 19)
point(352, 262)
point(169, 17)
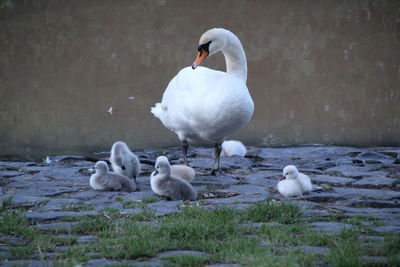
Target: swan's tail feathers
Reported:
point(157, 110)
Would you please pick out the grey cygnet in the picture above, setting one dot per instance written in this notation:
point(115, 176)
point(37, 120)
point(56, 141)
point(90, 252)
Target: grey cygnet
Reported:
point(124, 161)
point(165, 184)
point(105, 180)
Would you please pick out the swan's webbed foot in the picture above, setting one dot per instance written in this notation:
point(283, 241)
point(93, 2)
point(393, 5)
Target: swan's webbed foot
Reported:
point(216, 172)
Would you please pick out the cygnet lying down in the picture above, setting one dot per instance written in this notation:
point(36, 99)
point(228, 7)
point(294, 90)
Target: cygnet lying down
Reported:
point(295, 183)
point(182, 171)
point(233, 148)
point(164, 184)
point(105, 180)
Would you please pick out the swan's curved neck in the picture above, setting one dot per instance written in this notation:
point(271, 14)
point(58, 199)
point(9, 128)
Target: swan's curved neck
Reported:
point(235, 57)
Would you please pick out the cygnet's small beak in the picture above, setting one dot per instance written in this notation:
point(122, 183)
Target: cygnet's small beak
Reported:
point(202, 54)
point(123, 167)
point(282, 178)
point(155, 172)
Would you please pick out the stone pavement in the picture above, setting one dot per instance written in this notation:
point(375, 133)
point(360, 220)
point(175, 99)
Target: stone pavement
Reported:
point(348, 181)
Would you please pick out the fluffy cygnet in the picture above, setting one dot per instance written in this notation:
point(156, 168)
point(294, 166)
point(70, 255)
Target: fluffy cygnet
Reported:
point(123, 161)
point(233, 148)
point(295, 183)
point(182, 171)
point(105, 180)
point(164, 184)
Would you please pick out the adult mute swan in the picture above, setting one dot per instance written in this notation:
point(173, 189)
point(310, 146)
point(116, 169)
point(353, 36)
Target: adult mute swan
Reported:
point(203, 105)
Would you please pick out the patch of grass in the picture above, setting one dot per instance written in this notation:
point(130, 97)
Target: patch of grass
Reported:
point(74, 207)
point(363, 221)
point(282, 235)
point(186, 260)
point(270, 211)
point(146, 214)
point(93, 225)
point(219, 232)
point(111, 211)
point(77, 253)
point(5, 204)
point(150, 199)
point(392, 249)
point(314, 238)
point(130, 204)
point(345, 253)
point(22, 251)
point(15, 224)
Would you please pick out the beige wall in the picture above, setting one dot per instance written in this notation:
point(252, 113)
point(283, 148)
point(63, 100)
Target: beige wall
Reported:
point(319, 71)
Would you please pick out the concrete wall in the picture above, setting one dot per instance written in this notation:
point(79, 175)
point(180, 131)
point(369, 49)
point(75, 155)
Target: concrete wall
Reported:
point(319, 71)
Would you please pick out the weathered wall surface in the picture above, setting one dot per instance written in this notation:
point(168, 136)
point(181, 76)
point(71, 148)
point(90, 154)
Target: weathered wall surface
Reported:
point(319, 71)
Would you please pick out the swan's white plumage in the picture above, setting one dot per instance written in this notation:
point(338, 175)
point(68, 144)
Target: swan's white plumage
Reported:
point(232, 148)
point(206, 105)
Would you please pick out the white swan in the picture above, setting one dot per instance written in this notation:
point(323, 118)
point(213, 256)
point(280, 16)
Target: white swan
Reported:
point(206, 105)
point(295, 183)
point(233, 148)
point(164, 184)
point(123, 161)
point(103, 179)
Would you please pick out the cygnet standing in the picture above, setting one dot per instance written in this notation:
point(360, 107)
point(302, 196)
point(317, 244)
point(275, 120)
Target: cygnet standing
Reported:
point(182, 171)
point(164, 184)
point(295, 183)
point(105, 180)
point(233, 148)
point(123, 161)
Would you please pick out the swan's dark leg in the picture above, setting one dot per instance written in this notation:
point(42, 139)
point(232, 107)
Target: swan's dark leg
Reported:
point(185, 147)
point(216, 171)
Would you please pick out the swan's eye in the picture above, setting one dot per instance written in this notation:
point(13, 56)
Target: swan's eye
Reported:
point(205, 46)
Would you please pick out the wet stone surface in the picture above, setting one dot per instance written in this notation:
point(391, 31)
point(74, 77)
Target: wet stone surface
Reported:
point(347, 181)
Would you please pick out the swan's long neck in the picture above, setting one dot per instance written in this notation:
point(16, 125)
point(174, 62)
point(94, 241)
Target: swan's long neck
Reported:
point(235, 57)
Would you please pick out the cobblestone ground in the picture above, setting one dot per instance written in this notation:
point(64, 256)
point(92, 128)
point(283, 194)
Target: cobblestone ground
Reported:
point(348, 182)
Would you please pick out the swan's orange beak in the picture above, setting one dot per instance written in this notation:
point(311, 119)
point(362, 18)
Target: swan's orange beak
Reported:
point(200, 57)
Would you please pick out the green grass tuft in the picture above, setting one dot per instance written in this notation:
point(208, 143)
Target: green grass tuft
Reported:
point(186, 260)
point(270, 211)
point(345, 253)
